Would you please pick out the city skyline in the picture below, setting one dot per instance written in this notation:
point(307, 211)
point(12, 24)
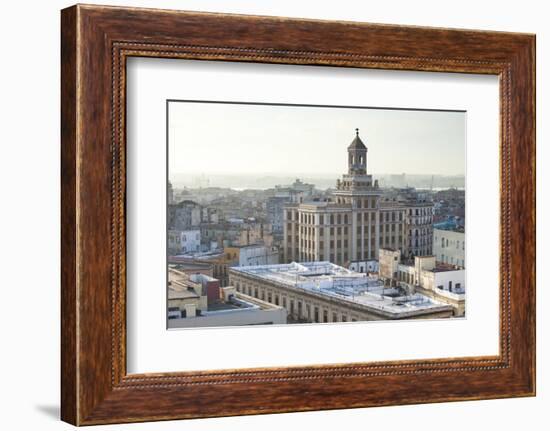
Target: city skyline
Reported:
point(345, 246)
point(320, 181)
point(268, 139)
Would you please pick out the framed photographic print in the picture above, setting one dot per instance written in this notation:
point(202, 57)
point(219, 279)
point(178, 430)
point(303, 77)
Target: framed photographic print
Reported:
point(267, 215)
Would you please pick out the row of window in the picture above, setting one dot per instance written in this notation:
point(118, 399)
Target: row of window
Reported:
point(420, 232)
point(420, 221)
point(297, 309)
point(421, 211)
point(310, 256)
point(454, 243)
point(419, 242)
point(366, 203)
point(422, 216)
point(360, 229)
point(385, 240)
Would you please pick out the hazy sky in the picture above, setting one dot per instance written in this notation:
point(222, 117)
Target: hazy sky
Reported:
point(213, 138)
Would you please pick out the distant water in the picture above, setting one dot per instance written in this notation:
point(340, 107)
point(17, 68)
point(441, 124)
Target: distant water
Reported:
point(321, 181)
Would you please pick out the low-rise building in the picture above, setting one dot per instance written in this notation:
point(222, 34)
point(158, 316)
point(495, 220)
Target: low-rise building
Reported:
point(191, 267)
point(325, 292)
point(275, 206)
point(197, 301)
point(449, 246)
point(184, 241)
point(189, 294)
point(442, 282)
point(184, 215)
point(218, 259)
point(250, 255)
point(254, 233)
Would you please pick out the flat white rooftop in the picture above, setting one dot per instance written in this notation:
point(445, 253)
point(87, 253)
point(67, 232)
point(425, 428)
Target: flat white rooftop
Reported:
point(326, 278)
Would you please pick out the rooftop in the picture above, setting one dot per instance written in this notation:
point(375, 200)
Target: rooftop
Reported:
point(357, 143)
point(190, 257)
point(187, 266)
point(328, 279)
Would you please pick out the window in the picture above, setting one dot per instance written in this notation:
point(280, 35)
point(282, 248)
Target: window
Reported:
point(325, 316)
point(335, 316)
point(457, 286)
point(316, 315)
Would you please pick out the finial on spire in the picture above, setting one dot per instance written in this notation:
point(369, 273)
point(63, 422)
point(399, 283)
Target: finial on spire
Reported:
point(357, 131)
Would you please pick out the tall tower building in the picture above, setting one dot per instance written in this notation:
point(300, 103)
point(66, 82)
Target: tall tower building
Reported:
point(357, 156)
point(359, 219)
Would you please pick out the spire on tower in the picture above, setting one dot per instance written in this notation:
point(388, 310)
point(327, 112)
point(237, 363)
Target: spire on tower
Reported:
point(357, 156)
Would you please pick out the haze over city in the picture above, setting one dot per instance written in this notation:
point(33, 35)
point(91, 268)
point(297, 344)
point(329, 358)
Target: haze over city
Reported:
point(295, 141)
point(283, 215)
